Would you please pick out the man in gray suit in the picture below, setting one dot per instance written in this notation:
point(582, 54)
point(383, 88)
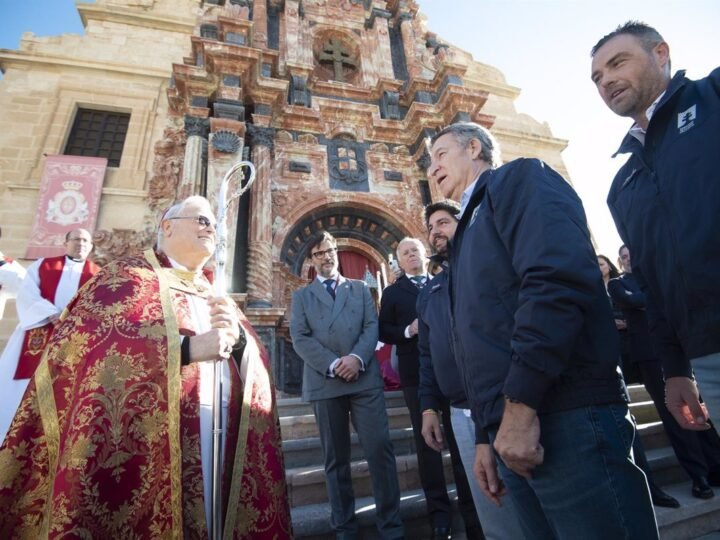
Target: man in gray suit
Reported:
point(334, 329)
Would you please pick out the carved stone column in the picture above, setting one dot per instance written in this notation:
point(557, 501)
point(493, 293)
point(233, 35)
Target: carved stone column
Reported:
point(259, 271)
point(191, 181)
point(260, 22)
point(408, 38)
point(384, 50)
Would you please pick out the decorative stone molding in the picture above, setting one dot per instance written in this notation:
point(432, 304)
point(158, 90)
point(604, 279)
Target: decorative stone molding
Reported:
point(424, 161)
point(298, 93)
point(118, 243)
point(376, 13)
point(231, 109)
point(300, 166)
point(167, 168)
point(195, 126)
point(349, 224)
point(347, 165)
point(390, 106)
point(225, 141)
point(261, 136)
point(259, 287)
point(209, 31)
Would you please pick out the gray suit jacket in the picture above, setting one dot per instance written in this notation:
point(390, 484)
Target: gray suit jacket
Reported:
point(323, 330)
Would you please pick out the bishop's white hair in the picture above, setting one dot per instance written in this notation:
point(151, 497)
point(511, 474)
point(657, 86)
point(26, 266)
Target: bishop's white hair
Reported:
point(175, 210)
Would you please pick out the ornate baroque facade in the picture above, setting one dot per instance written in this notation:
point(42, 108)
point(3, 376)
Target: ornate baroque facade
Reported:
point(332, 100)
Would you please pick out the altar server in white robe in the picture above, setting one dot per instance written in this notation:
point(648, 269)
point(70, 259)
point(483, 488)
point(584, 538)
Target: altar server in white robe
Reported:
point(49, 285)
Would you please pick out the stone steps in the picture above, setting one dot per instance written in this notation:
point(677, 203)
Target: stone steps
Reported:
point(308, 496)
point(304, 426)
point(311, 522)
point(295, 406)
point(306, 485)
point(694, 518)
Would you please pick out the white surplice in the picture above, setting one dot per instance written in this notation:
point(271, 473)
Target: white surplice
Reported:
point(33, 311)
point(11, 276)
point(200, 315)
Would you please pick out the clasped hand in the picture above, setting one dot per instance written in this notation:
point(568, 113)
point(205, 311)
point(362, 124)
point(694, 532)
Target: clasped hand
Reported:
point(348, 368)
point(217, 343)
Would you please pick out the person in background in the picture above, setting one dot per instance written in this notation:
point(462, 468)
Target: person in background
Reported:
point(11, 275)
point(697, 452)
point(49, 285)
point(609, 273)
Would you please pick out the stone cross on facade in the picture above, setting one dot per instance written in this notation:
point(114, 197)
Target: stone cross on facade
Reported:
point(334, 53)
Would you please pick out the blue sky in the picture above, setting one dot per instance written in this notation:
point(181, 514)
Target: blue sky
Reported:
point(542, 47)
point(43, 17)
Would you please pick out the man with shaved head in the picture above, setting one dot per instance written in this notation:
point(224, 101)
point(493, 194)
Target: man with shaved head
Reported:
point(49, 285)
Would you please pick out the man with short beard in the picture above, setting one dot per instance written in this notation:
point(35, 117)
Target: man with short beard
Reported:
point(334, 329)
point(665, 202)
point(399, 326)
point(440, 380)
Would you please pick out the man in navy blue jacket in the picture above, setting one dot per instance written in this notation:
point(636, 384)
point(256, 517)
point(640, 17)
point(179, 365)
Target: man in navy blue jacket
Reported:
point(536, 345)
point(440, 380)
point(666, 204)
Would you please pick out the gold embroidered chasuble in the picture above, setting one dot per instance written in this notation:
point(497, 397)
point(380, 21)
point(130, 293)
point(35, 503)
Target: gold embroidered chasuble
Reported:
point(106, 442)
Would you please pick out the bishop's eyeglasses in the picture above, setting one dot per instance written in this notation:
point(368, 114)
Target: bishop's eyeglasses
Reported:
point(203, 221)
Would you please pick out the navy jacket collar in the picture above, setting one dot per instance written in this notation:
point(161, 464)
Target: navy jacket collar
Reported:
point(630, 143)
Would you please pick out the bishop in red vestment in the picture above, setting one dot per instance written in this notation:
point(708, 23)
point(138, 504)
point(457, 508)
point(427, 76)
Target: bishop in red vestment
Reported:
point(109, 440)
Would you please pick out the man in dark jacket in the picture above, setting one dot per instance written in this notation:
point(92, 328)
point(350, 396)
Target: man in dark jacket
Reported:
point(697, 452)
point(398, 326)
point(666, 204)
point(440, 380)
point(536, 346)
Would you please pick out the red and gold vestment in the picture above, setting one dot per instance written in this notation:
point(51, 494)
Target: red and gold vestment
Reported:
point(106, 442)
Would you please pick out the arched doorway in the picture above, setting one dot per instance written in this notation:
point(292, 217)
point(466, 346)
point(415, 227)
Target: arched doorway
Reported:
point(353, 264)
point(365, 239)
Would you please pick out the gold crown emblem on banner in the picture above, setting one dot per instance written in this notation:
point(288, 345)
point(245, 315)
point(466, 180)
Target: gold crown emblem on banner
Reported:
point(72, 185)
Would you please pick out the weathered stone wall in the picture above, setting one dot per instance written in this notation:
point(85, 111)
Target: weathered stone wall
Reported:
point(122, 63)
point(257, 79)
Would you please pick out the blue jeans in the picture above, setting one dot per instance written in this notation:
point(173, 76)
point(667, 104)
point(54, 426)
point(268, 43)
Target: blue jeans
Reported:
point(588, 486)
point(498, 523)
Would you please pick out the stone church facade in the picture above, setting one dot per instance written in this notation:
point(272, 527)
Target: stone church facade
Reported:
point(331, 100)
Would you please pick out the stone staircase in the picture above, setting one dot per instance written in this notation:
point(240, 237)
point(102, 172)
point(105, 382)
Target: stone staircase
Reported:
point(308, 497)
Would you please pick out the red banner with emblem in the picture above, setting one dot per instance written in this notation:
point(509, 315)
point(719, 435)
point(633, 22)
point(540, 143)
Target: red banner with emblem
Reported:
point(69, 199)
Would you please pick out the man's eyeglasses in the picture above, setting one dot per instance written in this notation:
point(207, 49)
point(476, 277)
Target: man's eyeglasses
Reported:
point(201, 220)
point(322, 254)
